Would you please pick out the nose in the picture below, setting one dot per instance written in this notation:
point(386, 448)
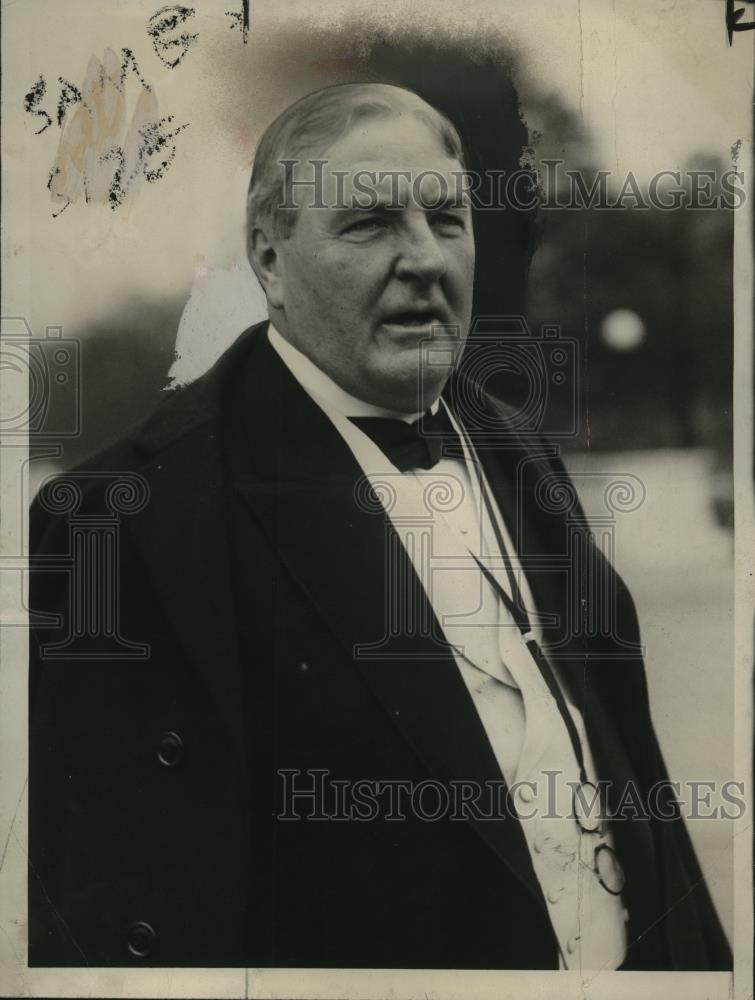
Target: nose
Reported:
point(420, 257)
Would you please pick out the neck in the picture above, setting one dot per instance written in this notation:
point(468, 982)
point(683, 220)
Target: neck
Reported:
point(328, 393)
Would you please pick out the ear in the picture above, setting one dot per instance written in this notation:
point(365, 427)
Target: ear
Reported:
point(268, 265)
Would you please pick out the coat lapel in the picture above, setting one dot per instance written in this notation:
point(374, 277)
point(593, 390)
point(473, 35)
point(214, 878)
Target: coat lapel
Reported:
point(336, 541)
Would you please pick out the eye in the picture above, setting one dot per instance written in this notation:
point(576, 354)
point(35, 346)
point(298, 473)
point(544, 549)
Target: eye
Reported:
point(365, 227)
point(449, 220)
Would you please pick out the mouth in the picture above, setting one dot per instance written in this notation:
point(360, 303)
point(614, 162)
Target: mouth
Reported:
point(413, 318)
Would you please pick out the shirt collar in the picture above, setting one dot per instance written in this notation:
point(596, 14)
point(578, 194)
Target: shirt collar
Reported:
point(325, 392)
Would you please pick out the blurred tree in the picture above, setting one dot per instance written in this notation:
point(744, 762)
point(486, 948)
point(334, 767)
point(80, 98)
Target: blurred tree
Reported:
point(673, 269)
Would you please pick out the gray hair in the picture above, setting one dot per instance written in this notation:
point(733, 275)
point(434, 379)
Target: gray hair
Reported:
point(313, 123)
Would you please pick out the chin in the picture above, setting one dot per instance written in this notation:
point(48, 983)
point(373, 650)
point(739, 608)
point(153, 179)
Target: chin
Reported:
point(400, 388)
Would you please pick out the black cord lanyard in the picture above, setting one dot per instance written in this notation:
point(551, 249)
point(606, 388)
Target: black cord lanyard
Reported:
point(515, 606)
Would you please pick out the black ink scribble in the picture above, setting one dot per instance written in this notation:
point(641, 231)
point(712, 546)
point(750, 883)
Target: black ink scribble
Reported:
point(97, 134)
point(128, 62)
point(164, 21)
point(53, 174)
point(241, 19)
point(32, 99)
point(118, 187)
point(156, 140)
point(69, 94)
point(734, 16)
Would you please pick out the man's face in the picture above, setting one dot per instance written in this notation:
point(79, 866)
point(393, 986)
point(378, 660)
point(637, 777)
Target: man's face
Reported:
point(360, 288)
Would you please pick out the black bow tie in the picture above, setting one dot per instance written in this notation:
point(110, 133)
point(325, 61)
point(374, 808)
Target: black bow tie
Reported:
point(413, 446)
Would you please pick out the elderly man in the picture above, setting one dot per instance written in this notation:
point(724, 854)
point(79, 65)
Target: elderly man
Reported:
point(343, 716)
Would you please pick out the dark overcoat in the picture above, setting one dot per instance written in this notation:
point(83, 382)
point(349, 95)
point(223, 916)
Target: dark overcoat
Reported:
point(209, 606)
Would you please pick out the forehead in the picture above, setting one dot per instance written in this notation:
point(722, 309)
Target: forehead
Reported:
point(388, 133)
point(390, 141)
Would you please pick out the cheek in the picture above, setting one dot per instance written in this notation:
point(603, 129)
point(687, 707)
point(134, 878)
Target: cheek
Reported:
point(307, 283)
point(343, 288)
point(349, 286)
point(316, 270)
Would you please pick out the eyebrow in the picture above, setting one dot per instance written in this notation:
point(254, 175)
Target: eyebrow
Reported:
point(386, 206)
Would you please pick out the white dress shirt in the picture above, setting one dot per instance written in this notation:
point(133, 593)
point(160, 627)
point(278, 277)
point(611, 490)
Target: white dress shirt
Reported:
point(441, 519)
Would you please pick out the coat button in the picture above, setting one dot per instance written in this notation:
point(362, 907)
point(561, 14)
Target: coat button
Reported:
point(170, 750)
point(141, 939)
